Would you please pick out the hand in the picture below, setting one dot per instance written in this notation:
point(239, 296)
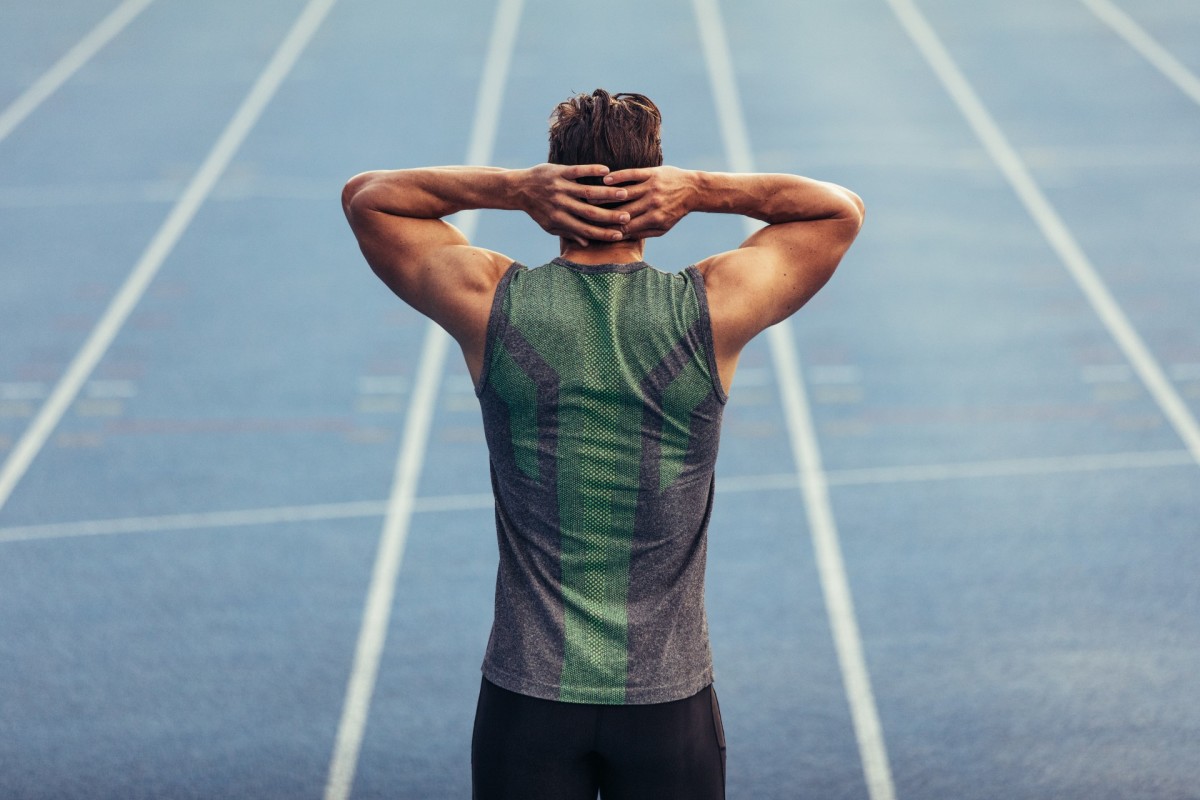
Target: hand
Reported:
point(552, 197)
point(658, 198)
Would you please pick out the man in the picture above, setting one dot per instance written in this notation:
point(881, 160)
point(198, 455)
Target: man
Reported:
point(602, 381)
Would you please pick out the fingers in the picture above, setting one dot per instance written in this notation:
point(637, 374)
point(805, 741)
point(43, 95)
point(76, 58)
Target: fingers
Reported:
point(597, 214)
point(572, 202)
point(589, 224)
point(584, 234)
point(647, 219)
point(644, 214)
point(593, 193)
point(634, 198)
point(649, 233)
point(639, 203)
point(597, 195)
point(576, 171)
point(608, 192)
point(635, 175)
point(587, 202)
point(595, 233)
point(640, 227)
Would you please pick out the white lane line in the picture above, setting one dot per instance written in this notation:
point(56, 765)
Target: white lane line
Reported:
point(65, 195)
point(1185, 372)
point(377, 609)
point(830, 565)
point(215, 520)
point(736, 484)
point(24, 390)
point(1106, 373)
point(200, 520)
point(1009, 468)
point(719, 61)
point(377, 612)
point(1050, 223)
point(1144, 43)
point(177, 221)
point(68, 65)
point(968, 470)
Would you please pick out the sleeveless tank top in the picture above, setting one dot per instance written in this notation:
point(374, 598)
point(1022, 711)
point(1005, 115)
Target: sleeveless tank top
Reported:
point(602, 411)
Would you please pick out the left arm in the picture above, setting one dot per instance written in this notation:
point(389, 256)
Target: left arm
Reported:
point(397, 217)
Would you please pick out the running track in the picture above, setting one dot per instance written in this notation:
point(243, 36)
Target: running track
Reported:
point(245, 545)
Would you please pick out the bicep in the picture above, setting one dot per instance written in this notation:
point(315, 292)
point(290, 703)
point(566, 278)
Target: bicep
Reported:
point(429, 264)
point(401, 249)
point(772, 275)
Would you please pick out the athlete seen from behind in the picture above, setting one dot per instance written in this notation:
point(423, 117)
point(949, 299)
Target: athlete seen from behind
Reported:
point(602, 382)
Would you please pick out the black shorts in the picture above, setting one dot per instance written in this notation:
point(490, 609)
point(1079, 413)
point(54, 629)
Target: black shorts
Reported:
point(525, 748)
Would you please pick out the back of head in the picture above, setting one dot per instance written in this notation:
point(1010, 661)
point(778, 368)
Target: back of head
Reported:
point(621, 131)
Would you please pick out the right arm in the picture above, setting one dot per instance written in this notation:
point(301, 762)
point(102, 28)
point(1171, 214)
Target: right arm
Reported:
point(810, 225)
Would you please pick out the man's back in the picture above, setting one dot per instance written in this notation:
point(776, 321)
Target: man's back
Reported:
point(602, 391)
point(602, 411)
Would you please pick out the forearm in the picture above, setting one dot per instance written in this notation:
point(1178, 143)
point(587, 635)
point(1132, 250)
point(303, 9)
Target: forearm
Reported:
point(549, 193)
point(772, 198)
point(661, 196)
point(432, 192)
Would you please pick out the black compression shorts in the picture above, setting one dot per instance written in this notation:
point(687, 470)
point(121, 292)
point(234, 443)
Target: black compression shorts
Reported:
point(525, 748)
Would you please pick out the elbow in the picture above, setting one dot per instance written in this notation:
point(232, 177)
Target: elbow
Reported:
point(355, 195)
point(860, 205)
point(855, 210)
point(850, 221)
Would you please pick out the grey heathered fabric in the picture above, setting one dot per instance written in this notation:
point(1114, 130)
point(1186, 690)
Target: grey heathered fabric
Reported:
point(657, 648)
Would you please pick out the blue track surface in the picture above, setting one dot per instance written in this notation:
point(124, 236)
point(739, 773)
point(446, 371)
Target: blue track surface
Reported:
point(185, 558)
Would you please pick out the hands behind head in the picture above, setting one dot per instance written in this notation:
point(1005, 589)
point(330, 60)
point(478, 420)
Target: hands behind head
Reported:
point(652, 200)
point(658, 197)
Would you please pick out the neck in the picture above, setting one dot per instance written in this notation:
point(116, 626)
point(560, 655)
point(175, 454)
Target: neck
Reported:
point(601, 253)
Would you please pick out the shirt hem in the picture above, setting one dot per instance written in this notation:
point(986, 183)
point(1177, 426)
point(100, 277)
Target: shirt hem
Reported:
point(633, 697)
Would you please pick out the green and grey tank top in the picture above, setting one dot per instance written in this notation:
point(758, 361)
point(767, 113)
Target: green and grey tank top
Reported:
point(602, 411)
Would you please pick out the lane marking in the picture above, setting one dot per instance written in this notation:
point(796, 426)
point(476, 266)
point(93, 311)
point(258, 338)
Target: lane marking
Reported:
point(202, 520)
point(243, 187)
point(1106, 373)
point(481, 501)
point(69, 64)
point(835, 375)
point(173, 228)
point(1141, 41)
point(1006, 468)
point(830, 565)
point(1186, 372)
point(377, 611)
point(378, 605)
point(1051, 224)
point(382, 384)
point(110, 389)
point(23, 390)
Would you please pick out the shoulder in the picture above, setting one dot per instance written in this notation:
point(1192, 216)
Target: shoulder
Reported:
point(728, 280)
point(470, 269)
point(731, 287)
point(454, 286)
point(467, 281)
point(463, 279)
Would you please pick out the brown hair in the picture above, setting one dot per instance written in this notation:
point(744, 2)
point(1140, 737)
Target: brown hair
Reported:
point(621, 131)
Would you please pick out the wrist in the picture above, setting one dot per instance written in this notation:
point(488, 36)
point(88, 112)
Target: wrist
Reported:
point(716, 193)
point(484, 188)
point(518, 186)
point(704, 190)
